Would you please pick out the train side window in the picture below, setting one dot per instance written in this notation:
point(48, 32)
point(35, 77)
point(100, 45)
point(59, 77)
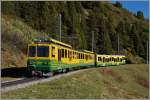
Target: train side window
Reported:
point(79, 56)
point(73, 54)
point(103, 59)
point(53, 51)
point(86, 57)
point(118, 59)
point(65, 53)
point(68, 54)
point(62, 53)
point(83, 56)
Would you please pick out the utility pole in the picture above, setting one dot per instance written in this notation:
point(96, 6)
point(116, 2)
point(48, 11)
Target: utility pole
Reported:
point(60, 27)
point(92, 41)
point(118, 43)
point(147, 52)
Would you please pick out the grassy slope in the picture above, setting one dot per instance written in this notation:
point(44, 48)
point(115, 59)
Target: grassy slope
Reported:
point(126, 81)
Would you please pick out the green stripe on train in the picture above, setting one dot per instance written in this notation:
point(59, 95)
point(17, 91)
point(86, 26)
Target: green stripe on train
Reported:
point(52, 65)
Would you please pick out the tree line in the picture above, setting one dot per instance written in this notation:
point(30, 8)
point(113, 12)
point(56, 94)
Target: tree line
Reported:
point(80, 19)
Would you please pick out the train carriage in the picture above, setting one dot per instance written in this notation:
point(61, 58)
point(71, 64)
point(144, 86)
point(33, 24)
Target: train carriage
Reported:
point(109, 60)
point(100, 59)
point(46, 56)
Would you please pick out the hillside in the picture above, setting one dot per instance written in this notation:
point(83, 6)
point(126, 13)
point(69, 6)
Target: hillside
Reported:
point(21, 21)
point(15, 37)
point(121, 82)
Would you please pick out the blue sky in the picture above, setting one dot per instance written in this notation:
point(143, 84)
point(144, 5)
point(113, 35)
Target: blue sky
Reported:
point(135, 6)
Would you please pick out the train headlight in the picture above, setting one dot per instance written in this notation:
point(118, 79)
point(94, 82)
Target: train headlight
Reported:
point(45, 63)
point(30, 62)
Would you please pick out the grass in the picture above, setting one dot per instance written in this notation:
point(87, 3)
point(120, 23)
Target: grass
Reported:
point(125, 81)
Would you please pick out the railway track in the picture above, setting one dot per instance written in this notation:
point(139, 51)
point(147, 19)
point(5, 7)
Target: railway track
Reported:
point(22, 83)
point(16, 82)
point(7, 86)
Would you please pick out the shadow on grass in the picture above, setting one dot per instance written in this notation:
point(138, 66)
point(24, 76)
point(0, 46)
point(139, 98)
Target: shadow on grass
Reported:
point(14, 72)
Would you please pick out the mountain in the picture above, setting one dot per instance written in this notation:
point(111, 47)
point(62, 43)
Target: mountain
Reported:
point(21, 21)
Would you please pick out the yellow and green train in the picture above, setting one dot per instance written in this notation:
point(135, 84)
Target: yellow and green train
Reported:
point(46, 56)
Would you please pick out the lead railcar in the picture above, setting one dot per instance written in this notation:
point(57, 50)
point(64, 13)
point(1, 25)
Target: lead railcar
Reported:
point(46, 56)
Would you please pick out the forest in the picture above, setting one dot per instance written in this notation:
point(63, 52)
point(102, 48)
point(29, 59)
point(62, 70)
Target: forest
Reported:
point(110, 24)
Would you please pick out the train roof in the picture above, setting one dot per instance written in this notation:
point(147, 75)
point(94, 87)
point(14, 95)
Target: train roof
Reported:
point(111, 55)
point(87, 51)
point(50, 40)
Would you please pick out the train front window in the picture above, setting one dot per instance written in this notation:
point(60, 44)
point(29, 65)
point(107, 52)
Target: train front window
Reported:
point(42, 51)
point(32, 51)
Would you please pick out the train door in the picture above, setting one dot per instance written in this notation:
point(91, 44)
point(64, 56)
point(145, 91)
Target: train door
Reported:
point(70, 55)
point(59, 55)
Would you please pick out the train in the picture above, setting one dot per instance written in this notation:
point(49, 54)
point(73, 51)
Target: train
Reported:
point(47, 56)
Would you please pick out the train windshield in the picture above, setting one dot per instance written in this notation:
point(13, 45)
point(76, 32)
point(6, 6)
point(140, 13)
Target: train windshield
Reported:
point(42, 51)
point(32, 51)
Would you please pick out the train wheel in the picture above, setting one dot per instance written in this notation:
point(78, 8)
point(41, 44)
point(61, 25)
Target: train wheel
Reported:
point(50, 74)
point(64, 70)
point(67, 70)
point(33, 73)
point(40, 74)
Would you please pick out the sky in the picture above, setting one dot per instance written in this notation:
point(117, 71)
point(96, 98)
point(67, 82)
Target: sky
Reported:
point(135, 6)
